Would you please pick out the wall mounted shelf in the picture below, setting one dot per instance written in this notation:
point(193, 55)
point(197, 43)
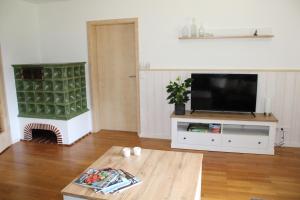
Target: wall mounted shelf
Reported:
point(227, 37)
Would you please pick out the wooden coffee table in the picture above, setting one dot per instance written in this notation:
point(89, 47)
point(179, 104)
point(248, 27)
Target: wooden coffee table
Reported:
point(164, 174)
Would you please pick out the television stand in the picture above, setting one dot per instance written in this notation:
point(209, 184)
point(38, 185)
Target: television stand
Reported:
point(238, 132)
point(252, 113)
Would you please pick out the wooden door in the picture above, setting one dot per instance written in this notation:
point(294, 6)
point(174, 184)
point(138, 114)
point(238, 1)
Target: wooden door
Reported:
point(114, 78)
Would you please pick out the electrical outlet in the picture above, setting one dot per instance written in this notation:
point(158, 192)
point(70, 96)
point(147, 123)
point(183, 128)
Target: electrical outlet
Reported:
point(282, 135)
point(282, 128)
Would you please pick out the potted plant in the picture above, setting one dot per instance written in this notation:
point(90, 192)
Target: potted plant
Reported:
point(178, 91)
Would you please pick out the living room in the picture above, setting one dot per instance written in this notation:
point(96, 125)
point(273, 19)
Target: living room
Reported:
point(72, 39)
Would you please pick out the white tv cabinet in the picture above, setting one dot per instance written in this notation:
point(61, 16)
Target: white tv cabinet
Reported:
point(242, 133)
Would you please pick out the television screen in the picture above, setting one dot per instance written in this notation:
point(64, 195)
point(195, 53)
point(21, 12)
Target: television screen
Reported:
point(224, 92)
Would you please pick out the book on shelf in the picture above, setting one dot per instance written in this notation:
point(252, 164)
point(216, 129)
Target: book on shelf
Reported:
point(198, 127)
point(215, 128)
point(107, 180)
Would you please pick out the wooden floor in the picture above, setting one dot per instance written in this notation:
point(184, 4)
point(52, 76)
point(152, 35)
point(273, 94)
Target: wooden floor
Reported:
point(39, 171)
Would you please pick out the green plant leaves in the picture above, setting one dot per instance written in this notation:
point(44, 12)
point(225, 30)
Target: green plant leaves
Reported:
point(178, 91)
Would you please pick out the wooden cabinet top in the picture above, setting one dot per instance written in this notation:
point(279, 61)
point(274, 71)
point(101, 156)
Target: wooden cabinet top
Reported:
point(259, 117)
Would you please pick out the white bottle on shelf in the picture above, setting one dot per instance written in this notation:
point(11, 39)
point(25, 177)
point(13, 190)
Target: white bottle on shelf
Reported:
point(194, 28)
point(185, 32)
point(201, 31)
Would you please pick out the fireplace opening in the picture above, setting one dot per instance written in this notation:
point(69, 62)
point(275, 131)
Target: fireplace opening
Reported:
point(44, 136)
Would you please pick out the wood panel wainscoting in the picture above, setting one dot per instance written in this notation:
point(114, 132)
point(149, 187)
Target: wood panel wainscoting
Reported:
point(30, 171)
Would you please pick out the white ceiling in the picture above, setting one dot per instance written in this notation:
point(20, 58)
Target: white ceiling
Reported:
point(44, 1)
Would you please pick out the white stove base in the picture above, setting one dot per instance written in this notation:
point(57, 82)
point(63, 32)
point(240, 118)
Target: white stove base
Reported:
point(71, 130)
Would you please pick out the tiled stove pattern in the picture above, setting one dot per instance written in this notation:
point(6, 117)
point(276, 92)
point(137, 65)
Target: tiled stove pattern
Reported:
point(51, 91)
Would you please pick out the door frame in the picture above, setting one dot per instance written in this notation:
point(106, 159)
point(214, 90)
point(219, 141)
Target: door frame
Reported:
point(92, 62)
point(4, 125)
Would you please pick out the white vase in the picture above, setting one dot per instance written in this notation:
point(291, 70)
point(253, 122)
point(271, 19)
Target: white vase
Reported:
point(185, 31)
point(201, 31)
point(194, 28)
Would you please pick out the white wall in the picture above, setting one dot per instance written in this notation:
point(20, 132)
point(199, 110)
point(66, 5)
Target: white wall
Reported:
point(19, 39)
point(63, 31)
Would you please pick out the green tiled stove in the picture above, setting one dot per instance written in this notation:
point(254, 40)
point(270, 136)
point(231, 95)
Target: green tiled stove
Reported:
point(51, 91)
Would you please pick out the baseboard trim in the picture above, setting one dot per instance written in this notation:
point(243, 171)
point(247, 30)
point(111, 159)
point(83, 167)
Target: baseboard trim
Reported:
point(85, 135)
point(291, 144)
point(5, 149)
point(155, 136)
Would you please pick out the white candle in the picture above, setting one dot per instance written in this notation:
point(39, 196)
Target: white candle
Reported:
point(137, 151)
point(126, 152)
point(268, 106)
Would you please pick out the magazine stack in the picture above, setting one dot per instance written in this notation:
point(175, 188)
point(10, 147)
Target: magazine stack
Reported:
point(107, 181)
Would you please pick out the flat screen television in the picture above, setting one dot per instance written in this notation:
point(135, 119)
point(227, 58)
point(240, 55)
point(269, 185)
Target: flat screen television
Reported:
point(224, 92)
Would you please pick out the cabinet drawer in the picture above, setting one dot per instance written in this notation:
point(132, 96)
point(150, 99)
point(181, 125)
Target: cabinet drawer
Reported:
point(245, 141)
point(205, 139)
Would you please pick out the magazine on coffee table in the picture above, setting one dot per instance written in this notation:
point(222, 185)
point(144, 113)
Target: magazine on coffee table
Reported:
point(120, 182)
point(133, 181)
point(107, 180)
point(97, 178)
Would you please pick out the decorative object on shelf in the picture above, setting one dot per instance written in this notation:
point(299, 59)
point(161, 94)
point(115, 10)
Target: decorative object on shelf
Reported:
point(201, 31)
point(255, 33)
point(194, 28)
point(193, 31)
point(185, 31)
point(267, 106)
point(178, 94)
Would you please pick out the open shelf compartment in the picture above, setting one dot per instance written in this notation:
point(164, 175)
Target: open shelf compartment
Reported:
point(235, 129)
point(211, 128)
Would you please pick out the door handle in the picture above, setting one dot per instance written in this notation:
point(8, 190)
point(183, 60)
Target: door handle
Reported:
point(131, 76)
